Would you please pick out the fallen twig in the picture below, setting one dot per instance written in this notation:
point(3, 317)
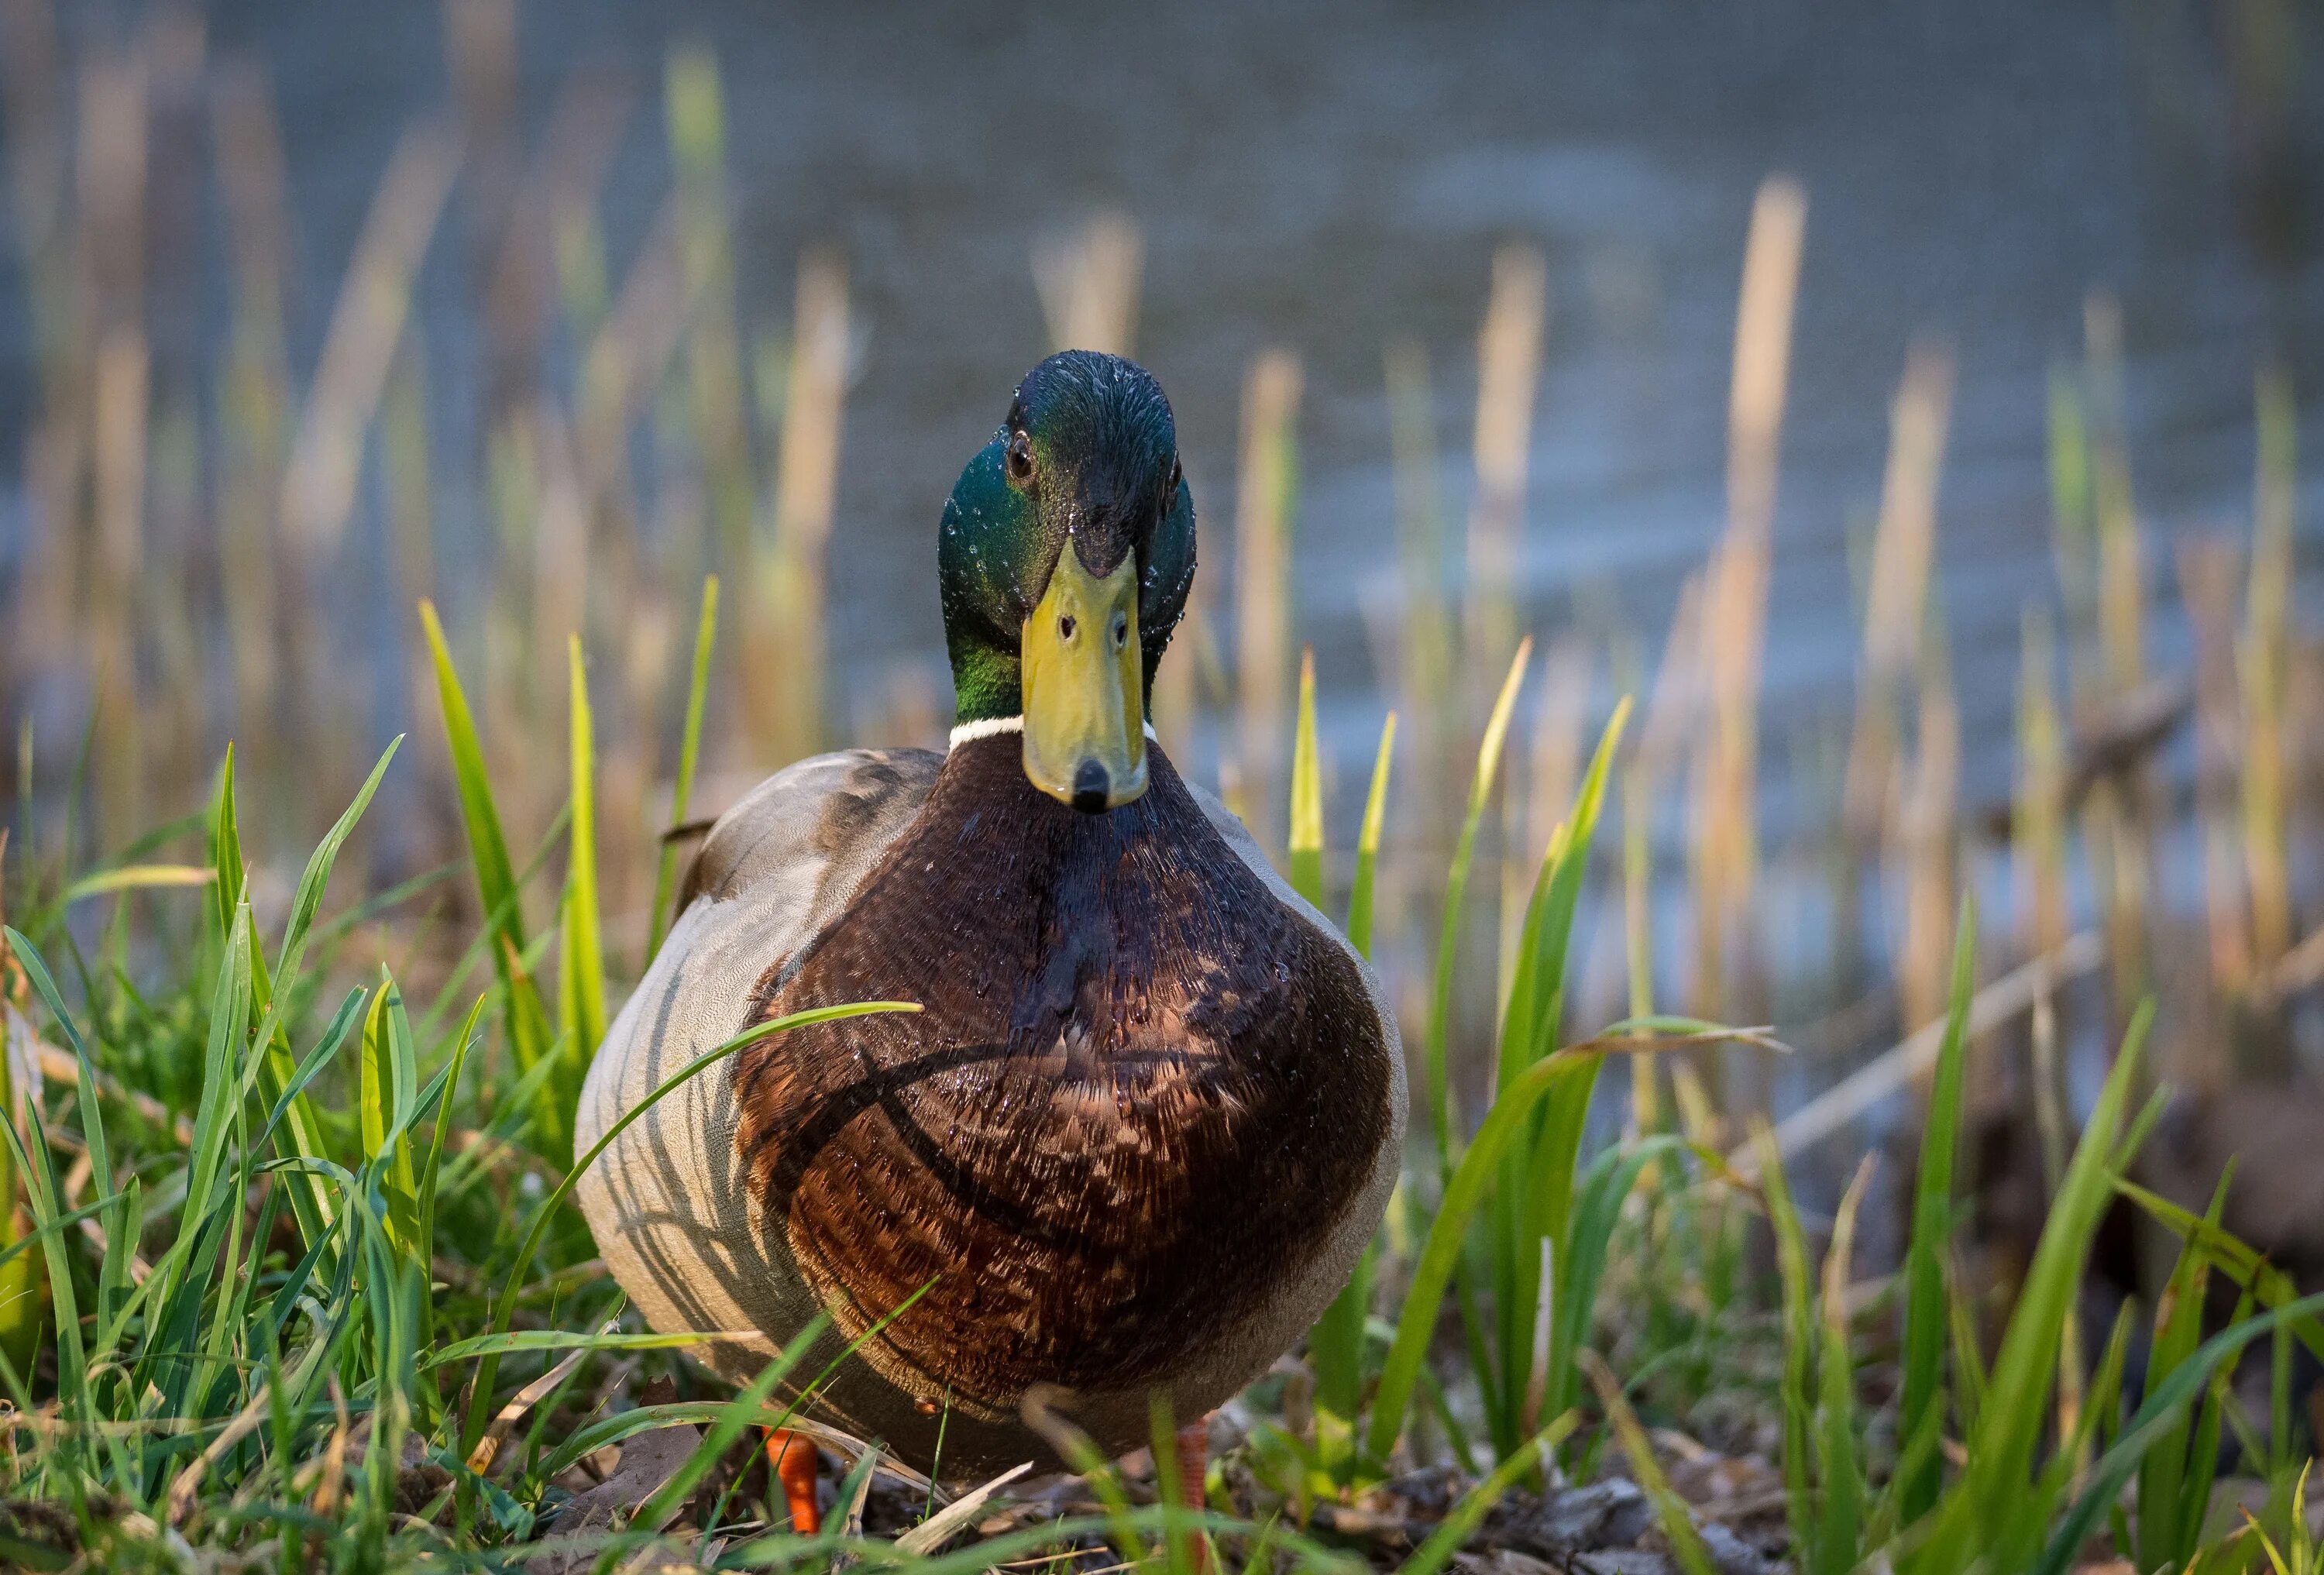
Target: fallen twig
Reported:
point(189, 1480)
point(932, 1532)
point(1857, 1092)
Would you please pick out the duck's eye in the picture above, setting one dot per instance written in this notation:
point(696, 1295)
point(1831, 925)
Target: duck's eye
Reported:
point(1120, 629)
point(1020, 460)
point(1065, 627)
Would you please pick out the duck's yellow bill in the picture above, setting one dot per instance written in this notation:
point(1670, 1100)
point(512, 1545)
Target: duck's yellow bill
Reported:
point(1084, 719)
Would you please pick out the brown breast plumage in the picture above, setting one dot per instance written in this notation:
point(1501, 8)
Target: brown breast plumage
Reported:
point(1142, 1091)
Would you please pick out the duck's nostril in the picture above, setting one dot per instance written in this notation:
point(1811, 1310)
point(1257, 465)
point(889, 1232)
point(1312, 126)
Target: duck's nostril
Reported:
point(1090, 784)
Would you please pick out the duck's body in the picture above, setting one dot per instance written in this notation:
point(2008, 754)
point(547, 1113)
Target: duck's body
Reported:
point(1135, 1140)
point(1110, 1193)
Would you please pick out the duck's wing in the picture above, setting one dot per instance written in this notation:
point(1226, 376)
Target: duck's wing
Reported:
point(668, 1200)
point(812, 830)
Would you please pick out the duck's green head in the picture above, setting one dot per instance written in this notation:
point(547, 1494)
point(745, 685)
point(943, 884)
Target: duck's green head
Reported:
point(1066, 554)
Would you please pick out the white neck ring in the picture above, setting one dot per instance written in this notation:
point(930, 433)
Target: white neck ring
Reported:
point(985, 727)
point(994, 726)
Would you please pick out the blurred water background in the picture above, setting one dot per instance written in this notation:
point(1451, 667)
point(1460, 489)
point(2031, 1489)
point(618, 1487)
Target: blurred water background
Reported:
point(545, 311)
point(1329, 179)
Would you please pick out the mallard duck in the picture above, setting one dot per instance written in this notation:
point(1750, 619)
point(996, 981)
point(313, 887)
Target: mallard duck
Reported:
point(1153, 1108)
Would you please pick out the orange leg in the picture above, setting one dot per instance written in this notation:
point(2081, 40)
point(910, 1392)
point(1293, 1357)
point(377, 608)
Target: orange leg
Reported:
point(1193, 1465)
point(793, 1457)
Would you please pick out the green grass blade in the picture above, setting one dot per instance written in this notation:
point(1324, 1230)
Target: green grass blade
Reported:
point(1796, 1386)
point(92, 1117)
point(307, 901)
point(488, 856)
point(1337, 1353)
point(2232, 1256)
point(540, 1340)
point(1927, 1310)
point(273, 997)
point(137, 878)
point(43, 1188)
point(2103, 1411)
point(1582, 1259)
point(1456, 894)
point(112, 1273)
point(1840, 1518)
point(386, 1097)
point(584, 951)
point(1670, 1510)
point(621, 1425)
point(1162, 1432)
point(229, 1023)
point(225, 849)
point(1306, 846)
point(737, 1416)
point(2202, 1471)
point(487, 848)
point(1367, 843)
point(335, 1037)
point(1969, 1362)
point(431, 1174)
point(1526, 1038)
point(1531, 1209)
point(580, 954)
point(2016, 1409)
point(23, 1292)
point(2163, 1470)
point(1441, 1251)
point(487, 938)
point(2158, 1413)
point(1336, 1345)
point(1452, 1533)
point(1081, 1455)
point(690, 754)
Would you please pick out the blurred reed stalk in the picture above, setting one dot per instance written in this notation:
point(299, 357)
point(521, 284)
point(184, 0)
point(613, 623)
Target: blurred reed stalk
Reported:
point(2208, 568)
point(1735, 597)
point(1895, 604)
point(479, 59)
point(2118, 818)
point(1178, 681)
point(2038, 824)
point(1509, 375)
point(172, 610)
point(111, 311)
point(1427, 677)
point(326, 455)
point(319, 484)
point(696, 118)
point(254, 397)
point(2038, 819)
point(1903, 662)
point(408, 470)
point(1661, 744)
point(784, 669)
point(2263, 663)
point(2122, 569)
point(1926, 835)
point(1089, 282)
point(1266, 491)
point(1509, 378)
